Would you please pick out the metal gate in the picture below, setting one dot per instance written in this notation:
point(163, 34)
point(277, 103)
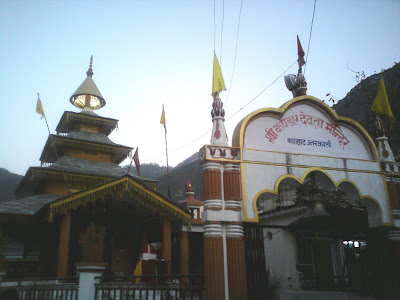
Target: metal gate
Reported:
point(257, 279)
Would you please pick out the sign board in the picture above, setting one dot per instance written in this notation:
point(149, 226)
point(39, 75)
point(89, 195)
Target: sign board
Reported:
point(304, 128)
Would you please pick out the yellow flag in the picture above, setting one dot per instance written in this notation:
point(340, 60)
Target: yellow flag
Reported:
point(39, 107)
point(381, 103)
point(162, 121)
point(138, 271)
point(218, 81)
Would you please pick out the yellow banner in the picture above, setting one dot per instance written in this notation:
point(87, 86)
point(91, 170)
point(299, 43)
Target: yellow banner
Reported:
point(162, 120)
point(381, 103)
point(39, 107)
point(218, 81)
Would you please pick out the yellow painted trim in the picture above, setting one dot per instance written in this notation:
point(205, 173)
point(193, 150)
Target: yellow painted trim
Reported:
point(280, 111)
point(140, 187)
point(265, 151)
point(256, 197)
point(58, 172)
point(158, 197)
point(305, 154)
point(84, 116)
point(301, 181)
point(308, 166)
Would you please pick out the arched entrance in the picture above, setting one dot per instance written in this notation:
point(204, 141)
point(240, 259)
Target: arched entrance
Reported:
point(328, 226)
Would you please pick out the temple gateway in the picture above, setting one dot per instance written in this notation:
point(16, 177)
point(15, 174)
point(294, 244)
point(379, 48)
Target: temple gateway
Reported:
point(303, 203)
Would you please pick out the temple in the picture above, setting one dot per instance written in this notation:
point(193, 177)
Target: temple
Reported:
point(80, 207)
point(302, 204)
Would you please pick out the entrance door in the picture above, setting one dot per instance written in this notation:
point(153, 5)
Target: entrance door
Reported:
point(257, 280)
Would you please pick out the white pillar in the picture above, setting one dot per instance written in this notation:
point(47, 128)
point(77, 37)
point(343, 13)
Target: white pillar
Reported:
point(87, 273)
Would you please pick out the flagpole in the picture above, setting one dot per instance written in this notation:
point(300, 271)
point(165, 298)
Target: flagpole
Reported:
point(129, 166)
point(55, 150)
point(163, 122)
point(166, 152)
point(135, 158)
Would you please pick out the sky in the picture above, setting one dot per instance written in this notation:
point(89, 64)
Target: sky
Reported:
point(154, 52)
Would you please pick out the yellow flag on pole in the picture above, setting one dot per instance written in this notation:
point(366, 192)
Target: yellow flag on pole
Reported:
point(39, 107)
point(381, 103)
point(218, 81)
point(162, 120)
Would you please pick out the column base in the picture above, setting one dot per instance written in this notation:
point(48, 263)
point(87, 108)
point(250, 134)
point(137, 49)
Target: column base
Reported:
point(87, 273)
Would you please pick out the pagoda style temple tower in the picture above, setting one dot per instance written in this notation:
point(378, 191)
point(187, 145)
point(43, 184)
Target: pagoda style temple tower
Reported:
point(81, 146)
point(80, 207)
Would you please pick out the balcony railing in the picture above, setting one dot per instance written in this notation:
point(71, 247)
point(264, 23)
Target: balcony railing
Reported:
point(336, 283)
point(150, 287)
point(65, 288)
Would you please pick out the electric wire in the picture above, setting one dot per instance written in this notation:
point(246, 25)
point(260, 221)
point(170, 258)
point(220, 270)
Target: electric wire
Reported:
point(263, 90)
point(222, 29)
point(180, 147)
point(214, 27)
point(234, 60)
point(208, 132)
point(309, 38)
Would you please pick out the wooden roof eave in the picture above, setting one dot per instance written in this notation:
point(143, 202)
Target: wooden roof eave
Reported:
point(119, 152)
point(108, 124)
point(30, 176)
point(119, 187)
point(19, 219)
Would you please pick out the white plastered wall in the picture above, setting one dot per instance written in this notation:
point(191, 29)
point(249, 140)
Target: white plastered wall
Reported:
point(306, 135)
point(265, 178)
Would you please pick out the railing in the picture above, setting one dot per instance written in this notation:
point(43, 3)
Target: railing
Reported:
point(65, 288)
point(161, 287)
point(336, 283)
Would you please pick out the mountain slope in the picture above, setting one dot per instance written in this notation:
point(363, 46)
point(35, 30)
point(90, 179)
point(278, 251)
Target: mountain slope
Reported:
point(357, 104)
point(8, 184)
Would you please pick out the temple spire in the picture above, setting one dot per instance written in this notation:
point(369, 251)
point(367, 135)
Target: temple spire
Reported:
point(90, 70)
point(388, 162)
point(218, 136)
point(88, 97)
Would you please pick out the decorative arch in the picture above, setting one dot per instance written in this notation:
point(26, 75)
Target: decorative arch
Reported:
point(374, 209)
point(278, 113)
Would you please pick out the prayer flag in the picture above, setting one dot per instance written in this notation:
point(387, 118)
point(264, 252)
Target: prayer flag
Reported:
point(300, 53)
point(218, 81)
point(162, 120)
point(136, 159)
point(381, 103)
point(39, 107)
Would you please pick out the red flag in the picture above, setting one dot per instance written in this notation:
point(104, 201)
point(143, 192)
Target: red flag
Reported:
point(136, 159)
point(300, 53)
point(188, 185)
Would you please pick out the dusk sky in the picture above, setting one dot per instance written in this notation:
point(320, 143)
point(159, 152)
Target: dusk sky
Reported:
point(150, 53)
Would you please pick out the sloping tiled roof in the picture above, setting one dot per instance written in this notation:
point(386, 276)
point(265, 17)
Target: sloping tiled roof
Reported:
point(27, 206)
point(92, 137)
point(83, 140)
point(83, 166)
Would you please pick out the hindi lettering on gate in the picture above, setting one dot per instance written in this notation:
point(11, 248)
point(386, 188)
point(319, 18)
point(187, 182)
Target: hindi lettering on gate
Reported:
point(306, 120)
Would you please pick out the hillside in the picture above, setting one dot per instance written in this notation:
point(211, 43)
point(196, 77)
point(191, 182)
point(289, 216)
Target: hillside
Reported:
point(357, 104)
point(8, 184)
point(189, 168)
point(178, 178)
